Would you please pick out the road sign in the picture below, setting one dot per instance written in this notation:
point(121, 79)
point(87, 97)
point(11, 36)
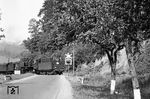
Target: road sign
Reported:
point(68, 55)
point(12, 90)
point(68, 59)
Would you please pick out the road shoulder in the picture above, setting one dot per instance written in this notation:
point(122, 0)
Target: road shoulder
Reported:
point(65, 91)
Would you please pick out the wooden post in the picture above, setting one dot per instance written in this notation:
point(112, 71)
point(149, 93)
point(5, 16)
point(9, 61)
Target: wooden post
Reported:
point(82, 80)
point(73, 59)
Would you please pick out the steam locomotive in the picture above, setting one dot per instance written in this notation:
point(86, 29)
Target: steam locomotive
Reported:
point(8, 68)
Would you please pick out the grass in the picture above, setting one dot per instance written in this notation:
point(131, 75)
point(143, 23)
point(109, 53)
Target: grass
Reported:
point(97, 87)
point(145, 86)
point(14, 77)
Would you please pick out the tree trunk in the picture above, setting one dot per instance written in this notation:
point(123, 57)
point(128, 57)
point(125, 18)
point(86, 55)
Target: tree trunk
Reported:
point(135, 83)
point(112, 57)
point(113, 78)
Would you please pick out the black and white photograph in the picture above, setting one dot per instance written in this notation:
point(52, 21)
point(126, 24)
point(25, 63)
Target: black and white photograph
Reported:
point(74, 49)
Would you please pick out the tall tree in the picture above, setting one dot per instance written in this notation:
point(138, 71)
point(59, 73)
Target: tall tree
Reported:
point(33, 43)
point(135, 14)
point(87, 21)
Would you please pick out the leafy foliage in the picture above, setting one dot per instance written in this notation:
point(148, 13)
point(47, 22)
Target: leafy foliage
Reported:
point(27, 59)
point(63, 22)
point(135, 14)
point(105, 25)
point(77, 19)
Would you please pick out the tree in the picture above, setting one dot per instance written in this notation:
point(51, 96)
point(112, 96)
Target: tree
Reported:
point(87, 21)
point(135, 14)
point(27, 58)
point(38, 41)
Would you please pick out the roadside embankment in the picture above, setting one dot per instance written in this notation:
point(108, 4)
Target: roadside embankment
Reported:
point(7, 78)
point(98, 88)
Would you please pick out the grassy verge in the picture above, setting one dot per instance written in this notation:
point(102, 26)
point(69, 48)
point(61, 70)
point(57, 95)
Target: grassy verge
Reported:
point(14, 77)
point(98, 88)
point(145, 86)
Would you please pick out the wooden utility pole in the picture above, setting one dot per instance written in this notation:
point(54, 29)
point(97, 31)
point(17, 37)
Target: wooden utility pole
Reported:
point(73, 58)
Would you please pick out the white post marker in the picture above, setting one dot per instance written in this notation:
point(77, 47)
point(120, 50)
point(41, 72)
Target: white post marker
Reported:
point(137, 94)
point(82, 80)
point(112, 87)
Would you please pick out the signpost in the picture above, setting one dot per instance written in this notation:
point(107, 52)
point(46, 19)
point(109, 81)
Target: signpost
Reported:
point(68, 60)
point(12, 90)
point(73, 59)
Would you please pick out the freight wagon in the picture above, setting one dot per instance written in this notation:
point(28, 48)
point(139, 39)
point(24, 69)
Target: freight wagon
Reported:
point(7, 68)
point(47, 66)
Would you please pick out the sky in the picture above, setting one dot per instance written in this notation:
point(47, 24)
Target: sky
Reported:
point(15, 18)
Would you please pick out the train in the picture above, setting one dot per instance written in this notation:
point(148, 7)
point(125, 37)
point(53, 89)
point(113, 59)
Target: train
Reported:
point(42, 66)
point(8, 68)
point(47, 66)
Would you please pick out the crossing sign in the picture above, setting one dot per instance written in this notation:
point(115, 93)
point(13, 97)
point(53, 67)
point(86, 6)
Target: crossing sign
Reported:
point(68, 59)
point(68, 55)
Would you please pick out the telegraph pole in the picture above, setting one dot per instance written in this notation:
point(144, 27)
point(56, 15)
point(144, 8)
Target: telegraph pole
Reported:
point(73, 58)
